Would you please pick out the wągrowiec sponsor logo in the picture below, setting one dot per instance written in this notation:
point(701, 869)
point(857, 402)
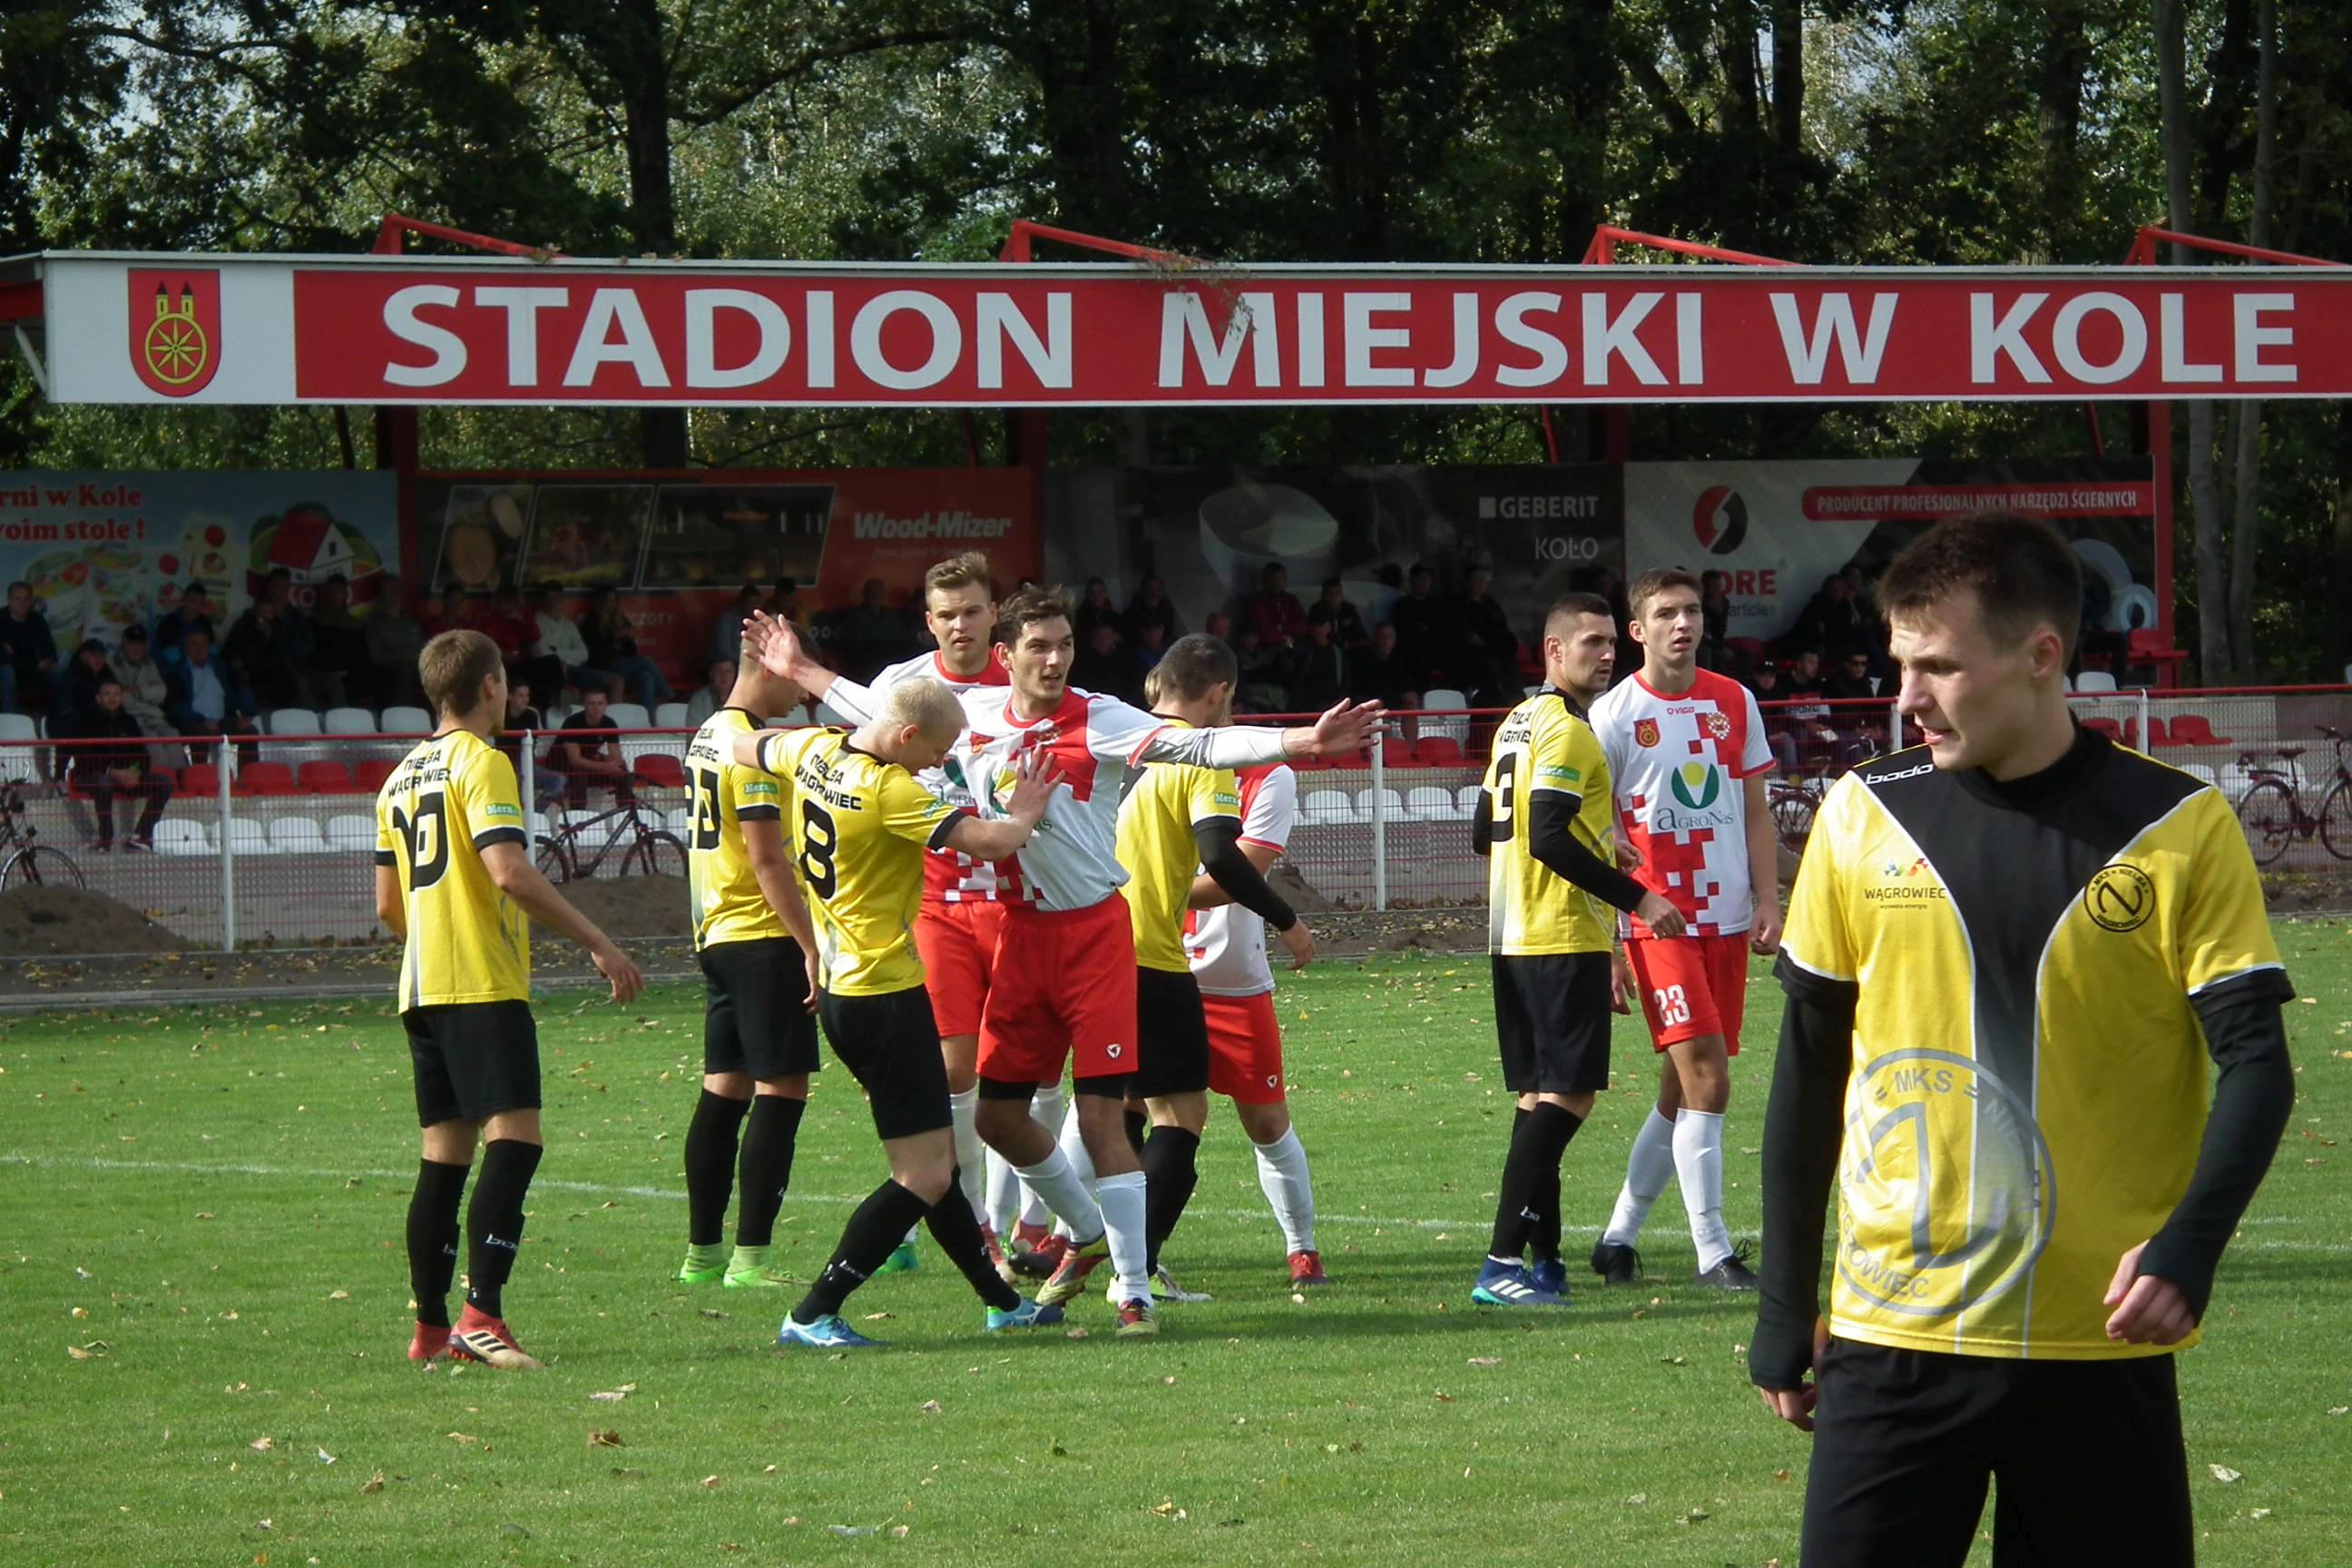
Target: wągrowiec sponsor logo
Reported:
point(929, 525)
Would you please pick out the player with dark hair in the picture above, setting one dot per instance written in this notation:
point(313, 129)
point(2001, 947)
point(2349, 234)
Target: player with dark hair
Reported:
point(2009, 952)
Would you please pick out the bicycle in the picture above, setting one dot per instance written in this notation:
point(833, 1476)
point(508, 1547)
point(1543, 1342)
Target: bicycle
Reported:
point(578, 850)
point(2272, 809)
point(24, 861)
point(1793, 803)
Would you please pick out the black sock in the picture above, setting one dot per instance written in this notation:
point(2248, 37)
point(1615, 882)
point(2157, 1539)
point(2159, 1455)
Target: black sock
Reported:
point(1538, 1142)
point(880, 1224)
point(767, 1167)
point(1138, 1124)
point(1171, 1170)
point(957, 1230)
point(433, 1238)
point(494, 1222)
point(710, 1166)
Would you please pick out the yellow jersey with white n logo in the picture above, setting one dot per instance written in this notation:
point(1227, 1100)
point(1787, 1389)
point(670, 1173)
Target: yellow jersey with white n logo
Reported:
point(448, 801)
point(1545, 747)
point(859, 828)
point(723, 795)
point(1155, 844)
point(2029, 1081)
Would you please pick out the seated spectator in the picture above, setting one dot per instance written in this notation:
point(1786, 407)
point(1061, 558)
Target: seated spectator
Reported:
point(99, 771)
point(509, 625)
point(1383, 673)
point(340, 637)
point(444, 610)
point(613, 648)
point(1151, 606)
point(727, 629)
point(1428, 628)
point(1258, 685)
point(207, 696)
point(1715, 619)
point(1219, 626)
point(1850, 682)
point(556, 640)
point(1780, 731)
point(270, 648)
point(1831, 620)
point(589, 752)
point(194, 609)
point(1094, 610)
point(28, 654)
point(1490, 661)
point(1148, 643)
point(1818, 742)
point(784, 604)
point(713, 695)
point(145, 691)
point(318, 688)
point(1319, 668)
point(1275, 612)
point(77, 684)
point(394, 639)
point(872, 633)
point(522, 720)
point(1857, 716)
point(1334, 609)
point(1103, 664)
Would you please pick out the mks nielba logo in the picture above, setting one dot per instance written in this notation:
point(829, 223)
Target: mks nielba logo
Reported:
point(175, 329)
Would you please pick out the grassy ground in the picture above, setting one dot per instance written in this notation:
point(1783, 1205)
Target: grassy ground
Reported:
point(205, 1299)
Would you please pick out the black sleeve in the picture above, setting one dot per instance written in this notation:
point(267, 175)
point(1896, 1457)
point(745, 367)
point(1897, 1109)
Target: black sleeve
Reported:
point(1219, 842)
point(1549, 840)
point(2253, 1099)
point(1482, 823)
point(1803, 1132)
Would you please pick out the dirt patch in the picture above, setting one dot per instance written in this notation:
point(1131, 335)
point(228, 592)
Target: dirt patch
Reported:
point(40, 921)
point(633, 909)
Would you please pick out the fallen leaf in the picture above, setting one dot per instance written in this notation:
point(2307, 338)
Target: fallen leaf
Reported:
point(711, 1483)
point(2339, 1409)
point(1637, 1499)
point(2259, 1513)
point(898, 1532)
point(1076, 1334)
point(325, 1458)
point(80, 1312)
point(373, 1485)
point(1443, 1398)
point(516, 1530)
point(339, 1295)
point(463, 1437)
point(77, 1353)
point(931, 1407)
point(851, 1530)
point(712, 1312)
point(878, 1317)
point(2224, 1474)
point(1485, 1361)
point(613, 1396)
point(604, 1438)
point(262, 1445)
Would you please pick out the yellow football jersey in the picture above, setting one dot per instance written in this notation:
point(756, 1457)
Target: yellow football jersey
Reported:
point(1545, 746)
point(2029, 1081)
point(1156, 846)
point(727, 905)
point(448, 801)
point(859, 828)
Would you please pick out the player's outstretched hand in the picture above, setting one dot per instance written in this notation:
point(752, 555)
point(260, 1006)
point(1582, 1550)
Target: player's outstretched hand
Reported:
point(1621, 983)
point(620, 969)
point(1795, 1406)
point(1034, 777)
point(773, 643)
point(2148, 1311)
point(1660, 917)
point(1300, 942)
point(1345, 729)
point(1764, 936)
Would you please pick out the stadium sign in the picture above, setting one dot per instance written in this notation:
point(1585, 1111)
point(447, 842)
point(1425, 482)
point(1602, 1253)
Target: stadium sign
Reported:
point(384, 330)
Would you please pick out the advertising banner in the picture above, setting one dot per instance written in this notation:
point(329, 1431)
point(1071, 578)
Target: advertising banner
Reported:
point(380, 329)
point(105, 550)
point(1778, 528)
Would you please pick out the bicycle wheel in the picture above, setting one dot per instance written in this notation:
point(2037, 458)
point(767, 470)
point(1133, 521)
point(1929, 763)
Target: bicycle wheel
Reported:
point(2267, 812)
point(1792, 819)
point(38, 865)
point(2335, 820)
point(555, 861)
point(655, 855)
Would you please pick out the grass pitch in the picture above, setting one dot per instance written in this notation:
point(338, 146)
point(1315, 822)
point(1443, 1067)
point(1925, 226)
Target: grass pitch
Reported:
point(205, 1313)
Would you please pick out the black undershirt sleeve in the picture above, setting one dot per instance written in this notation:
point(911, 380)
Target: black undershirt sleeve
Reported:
point(1482, 823)
point(1219, 841)
point(2252, 1098)
point(1803, 1132)
point(1550, 812)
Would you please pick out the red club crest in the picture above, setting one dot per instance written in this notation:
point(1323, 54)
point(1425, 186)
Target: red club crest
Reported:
point(1645, 731)
point(175, 329)
point(1718, 726)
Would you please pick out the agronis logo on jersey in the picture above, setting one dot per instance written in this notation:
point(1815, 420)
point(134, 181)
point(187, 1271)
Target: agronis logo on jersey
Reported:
point(1695, 785)
point(1699, 802)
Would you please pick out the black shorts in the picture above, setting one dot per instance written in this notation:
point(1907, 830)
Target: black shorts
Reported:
point(891, 1046)
point(473, 1059)
point(1171, 1034)
point(752, 1020)
point(2087, 1457)
point(1551, 1019)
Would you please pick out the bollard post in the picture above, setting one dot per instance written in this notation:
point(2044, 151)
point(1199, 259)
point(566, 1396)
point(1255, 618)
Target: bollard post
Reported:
point(227, 855)
point(1379, 828)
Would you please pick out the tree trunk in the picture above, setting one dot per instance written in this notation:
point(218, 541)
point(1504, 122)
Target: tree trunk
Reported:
point(639, 60)
point(2204, 492)
point(2245, 525)
point(2335, 636)
point(2065, 64)
point(1788, 74)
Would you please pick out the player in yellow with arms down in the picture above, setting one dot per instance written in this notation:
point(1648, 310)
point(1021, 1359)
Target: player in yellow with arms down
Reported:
point(454, 879)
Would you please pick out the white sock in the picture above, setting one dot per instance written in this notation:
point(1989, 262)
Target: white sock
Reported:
point(1005, 1198)
point(1046, 1111)
point(970, 1169)
point(1699, 1166)
point(1065, 1194)
point(1074, 1149)
point(1122, 1212)
point(1282, 1175)
point(1648, 1169)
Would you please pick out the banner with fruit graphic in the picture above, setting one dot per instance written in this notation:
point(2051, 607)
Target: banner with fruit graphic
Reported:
point(104, 550)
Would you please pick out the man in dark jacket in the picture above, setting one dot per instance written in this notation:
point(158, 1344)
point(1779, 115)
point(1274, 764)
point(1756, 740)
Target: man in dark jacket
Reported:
point(28, 654)
point(100, 771)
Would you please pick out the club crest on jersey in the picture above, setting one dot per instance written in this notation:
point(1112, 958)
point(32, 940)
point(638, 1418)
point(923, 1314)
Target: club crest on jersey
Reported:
point(1695, 785)
point(1718, 726)
point(2120, 897)
point(1645, 731)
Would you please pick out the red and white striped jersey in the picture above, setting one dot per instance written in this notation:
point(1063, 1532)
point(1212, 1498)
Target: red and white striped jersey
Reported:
point(949, 877)
point(1676, 766)
point(1227, 944)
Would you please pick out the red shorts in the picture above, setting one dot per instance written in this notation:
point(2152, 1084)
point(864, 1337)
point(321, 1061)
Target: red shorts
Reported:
point(957, 944)
point(1065, 992)
point(1692, 986)
point(1245, 1048)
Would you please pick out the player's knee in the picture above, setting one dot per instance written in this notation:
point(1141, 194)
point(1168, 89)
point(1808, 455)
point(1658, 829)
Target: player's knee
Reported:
point(731, 1085)
point(1264, 1123)
point(927, 1179)
point(795, 1087)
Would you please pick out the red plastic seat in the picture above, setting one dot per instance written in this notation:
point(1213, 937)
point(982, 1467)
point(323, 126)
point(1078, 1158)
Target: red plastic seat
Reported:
point(266, 779)
point(370, 774)
point(2193, 730)
point(2107, 727)
point(1396, 752)
point(2157, 734)
point(200, 779)
point(326, 778)
point(1438, 752)
point(661, 772)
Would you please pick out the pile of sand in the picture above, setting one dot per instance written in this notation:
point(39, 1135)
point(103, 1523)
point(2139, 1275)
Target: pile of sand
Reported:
point(47, 921)
point(633, 909)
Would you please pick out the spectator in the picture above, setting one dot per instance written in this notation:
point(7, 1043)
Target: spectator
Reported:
point(1150, 607)
point(270, 653)
point(1428, 629)
point(726, 640)
point(523, 719)
point(444, 610)
point(28, 654)
point(1715, 619)
point(1102, 664)
point(1319, 668)
point(1384, 674)
point(208, 699)
point(1149, 645)
point(1219, 626)
point(1094, 610)
point(77, 684)
point(713, 695)
point(1490, 673)
point(1778, 730)
point(1831, 620)
point(98, 772)
point(1856, 714)
point(342, 639)
point(1809, 709)
point(872, 633)
point(613, 648)
point(394, 639)
point(300, 642)
point(1850, 681)
point(1259, 686)
point(784, 604)
point(588, 752)
point(1334, 608)
point(144, 691)
point(196, 609)
point(1275, 612)
point(556, 638)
